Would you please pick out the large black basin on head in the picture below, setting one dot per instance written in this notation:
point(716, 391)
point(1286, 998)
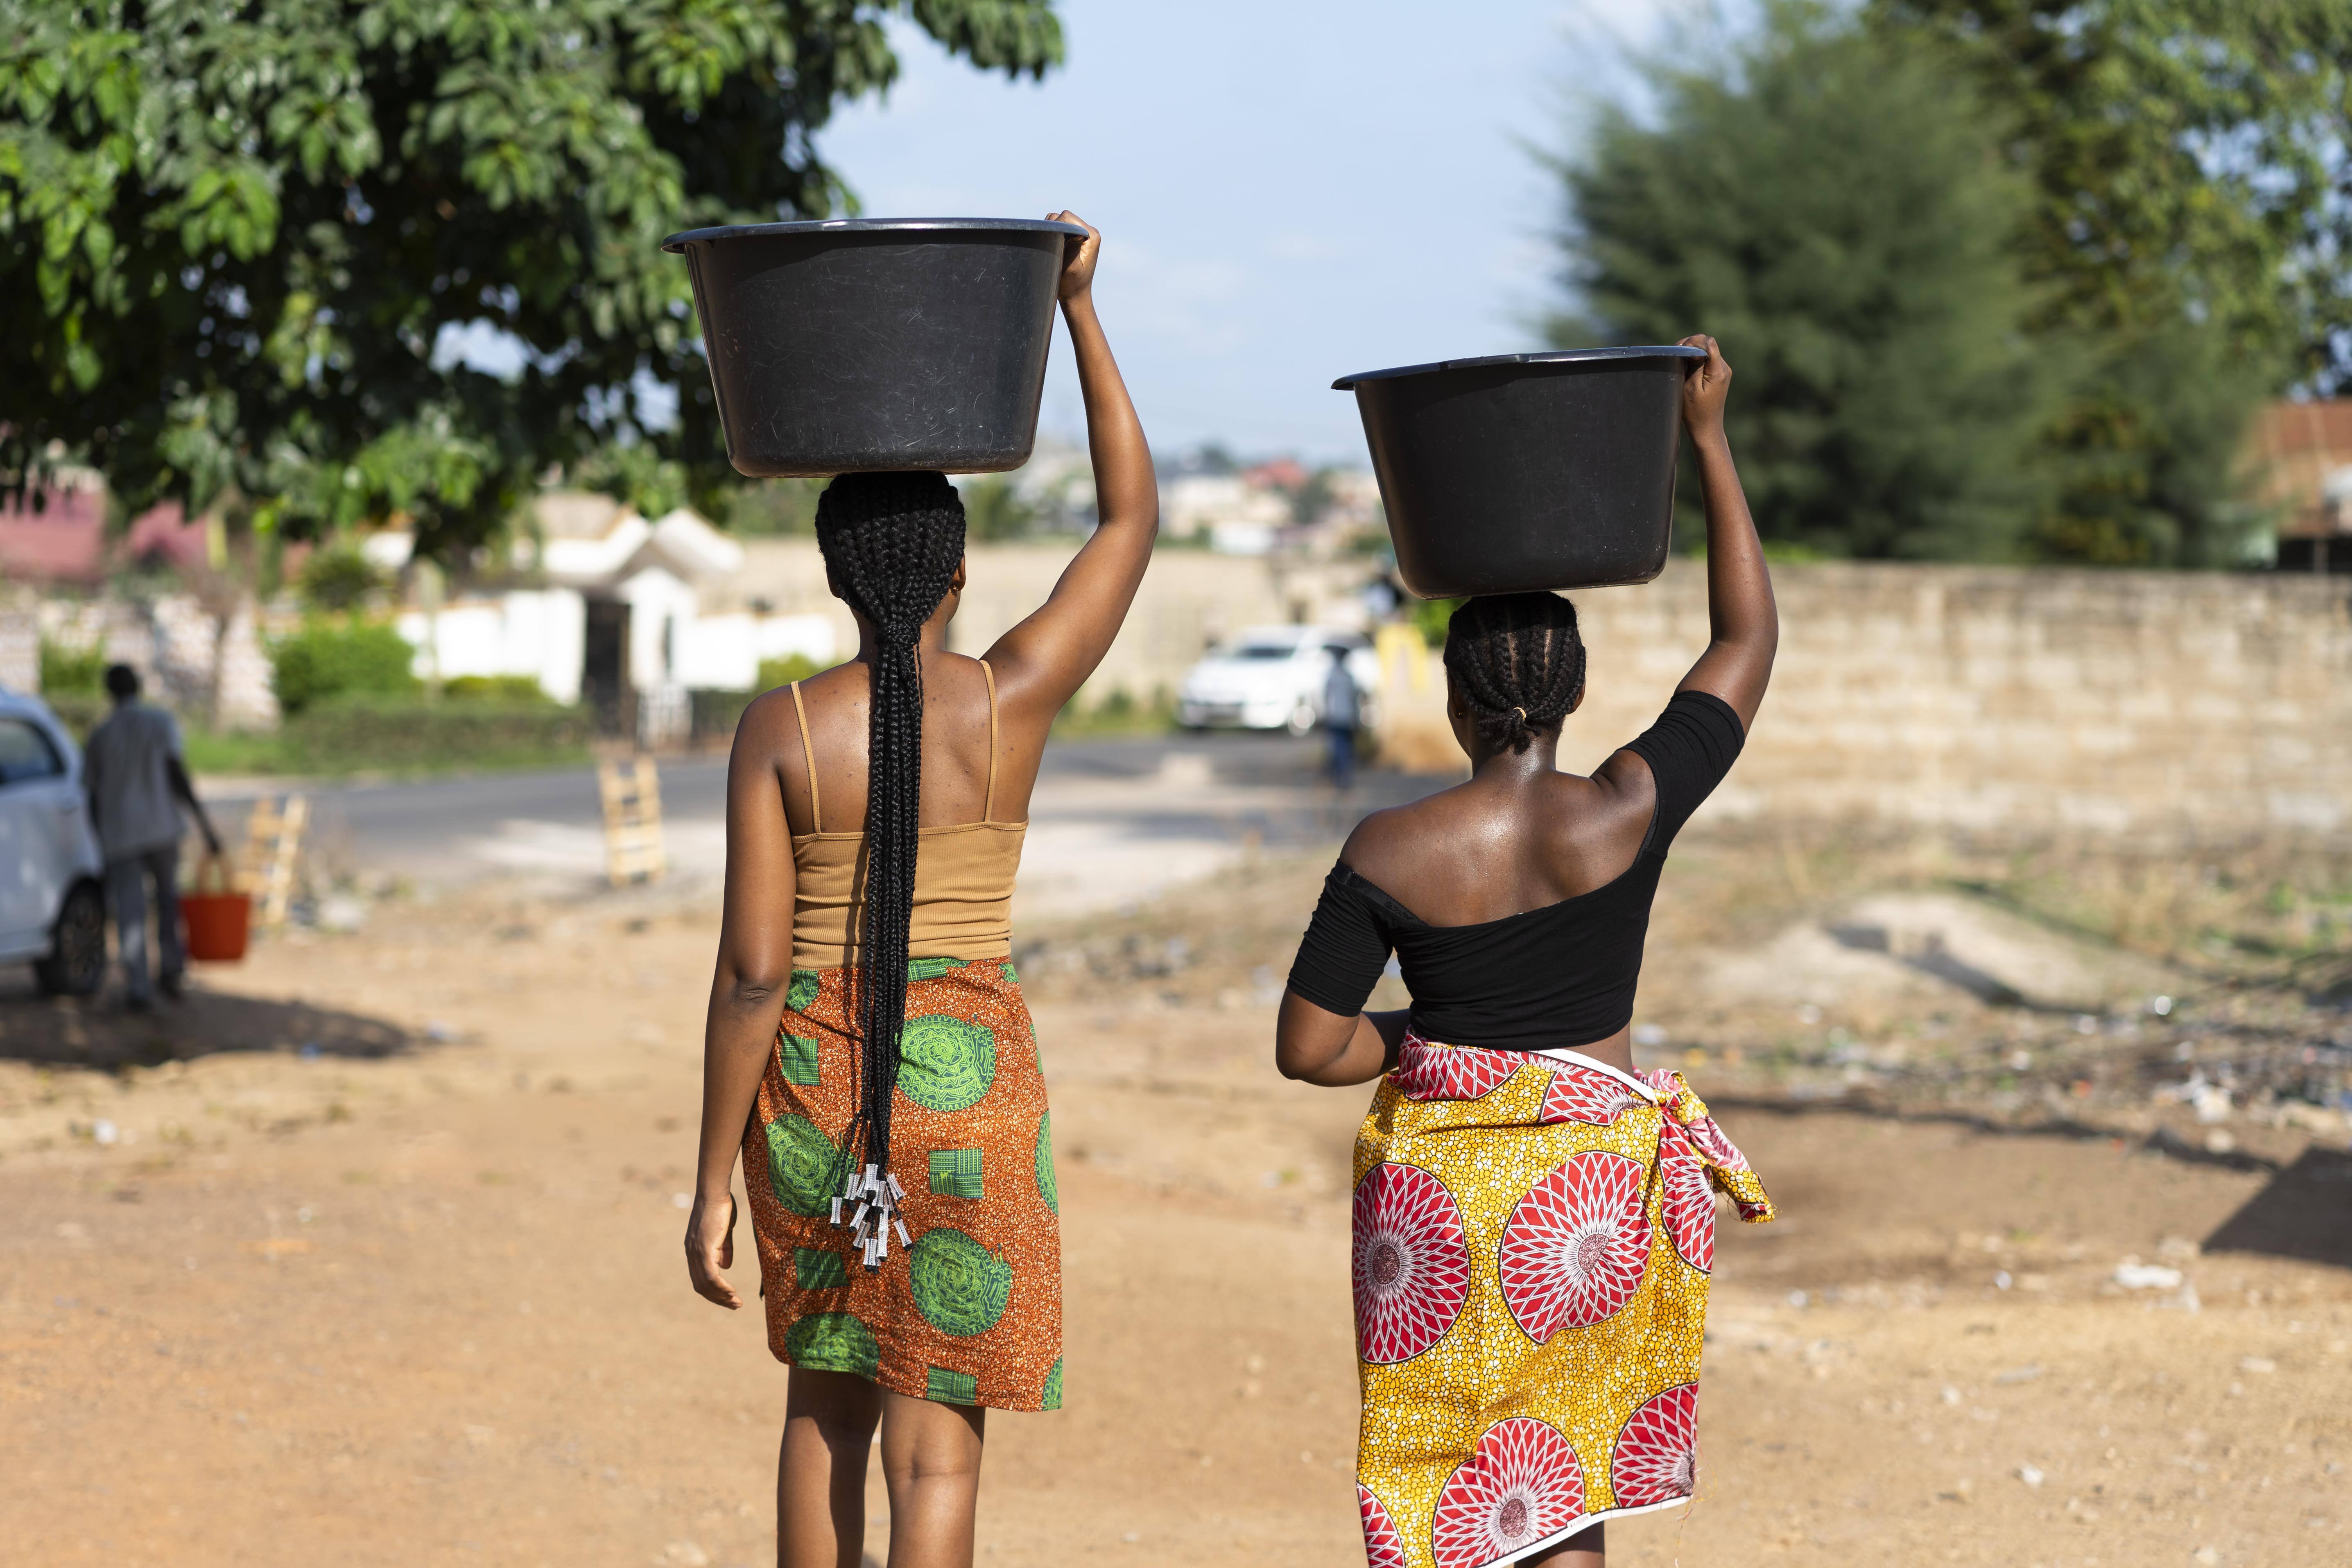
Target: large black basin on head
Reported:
point(1523, 472)
point(876, 344)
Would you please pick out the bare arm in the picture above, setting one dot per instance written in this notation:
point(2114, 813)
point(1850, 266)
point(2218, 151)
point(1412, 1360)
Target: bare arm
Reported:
point(1332, 1050)
point(1040, 663)
point(747, 991)
point(1743, 624)
point(185, 789)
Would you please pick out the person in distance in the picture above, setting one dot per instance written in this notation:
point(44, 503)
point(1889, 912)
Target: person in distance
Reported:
point(1534, 1214)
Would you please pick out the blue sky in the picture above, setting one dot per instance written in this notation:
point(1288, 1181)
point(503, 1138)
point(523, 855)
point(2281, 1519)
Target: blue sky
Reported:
point(1288, 190)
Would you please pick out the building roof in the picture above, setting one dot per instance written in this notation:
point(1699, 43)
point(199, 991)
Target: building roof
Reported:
point(2302, 454)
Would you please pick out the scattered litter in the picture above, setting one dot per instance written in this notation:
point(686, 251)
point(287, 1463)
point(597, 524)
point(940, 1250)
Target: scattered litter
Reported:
point(1649, 1035)
point(2028, 1475)
point(2205, 1557)
point(439, 1033)
point(2001, 1279)
point(2160, 1006)
point(2018, 1374)
point(2134, 1275)
point(2085, 1025)
point(103, 1131)
point(1951, 1395)
point(2256, 1364)
point(2020, 1060)
point(2219, 1143)
point(1798, 1298)
point(2210, 1101)
point(681, 1200)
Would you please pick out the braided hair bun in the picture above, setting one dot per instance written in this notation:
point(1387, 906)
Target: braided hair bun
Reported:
point(892, 543)
point(1518, 661)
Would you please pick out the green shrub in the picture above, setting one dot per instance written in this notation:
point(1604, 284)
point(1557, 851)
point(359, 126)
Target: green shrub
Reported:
point(73, 670)
point(405, 734)
point(514, 690)
point(340, 658)
point(775, 672)
point(338, 577)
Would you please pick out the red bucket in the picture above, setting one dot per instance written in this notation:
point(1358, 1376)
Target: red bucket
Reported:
point(217, 916)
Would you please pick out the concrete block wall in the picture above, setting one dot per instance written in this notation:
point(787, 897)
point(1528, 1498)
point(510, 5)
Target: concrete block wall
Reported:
point(2154, 709)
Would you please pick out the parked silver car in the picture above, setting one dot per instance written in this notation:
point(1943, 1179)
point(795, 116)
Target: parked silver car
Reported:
point(52, 909)
point(1272, 678)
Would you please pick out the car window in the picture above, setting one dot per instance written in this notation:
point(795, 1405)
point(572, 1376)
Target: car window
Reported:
point(25, 753)
point(1264, 650)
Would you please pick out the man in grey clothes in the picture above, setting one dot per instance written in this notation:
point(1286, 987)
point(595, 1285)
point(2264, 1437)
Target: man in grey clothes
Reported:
point(137, 783)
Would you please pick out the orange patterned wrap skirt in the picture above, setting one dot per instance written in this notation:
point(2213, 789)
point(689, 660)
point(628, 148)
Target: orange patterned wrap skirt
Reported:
point(1533, 1237)
point(972, 1313)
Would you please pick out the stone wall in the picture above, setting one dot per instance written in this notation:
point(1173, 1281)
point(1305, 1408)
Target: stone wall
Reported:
point(2140, 708)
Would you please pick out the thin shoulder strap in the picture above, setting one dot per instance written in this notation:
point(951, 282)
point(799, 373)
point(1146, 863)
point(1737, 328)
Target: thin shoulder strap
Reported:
point(808, 754)
point(988, 806)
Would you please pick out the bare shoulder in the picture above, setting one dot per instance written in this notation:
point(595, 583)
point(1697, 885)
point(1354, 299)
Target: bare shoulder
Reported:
point(1390, 847)
point(769, 728)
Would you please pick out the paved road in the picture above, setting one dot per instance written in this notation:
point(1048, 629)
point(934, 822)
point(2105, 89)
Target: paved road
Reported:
point(1160, 808)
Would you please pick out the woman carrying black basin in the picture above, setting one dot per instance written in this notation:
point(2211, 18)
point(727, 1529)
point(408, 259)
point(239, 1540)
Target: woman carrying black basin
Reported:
point(1534, 1216)
point(874, 819)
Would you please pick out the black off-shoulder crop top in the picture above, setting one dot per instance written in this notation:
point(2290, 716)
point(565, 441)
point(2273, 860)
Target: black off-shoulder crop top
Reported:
point(1560, 975)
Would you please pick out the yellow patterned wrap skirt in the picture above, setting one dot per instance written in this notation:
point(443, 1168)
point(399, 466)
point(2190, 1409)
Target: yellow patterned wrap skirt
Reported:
point(1533, 1235)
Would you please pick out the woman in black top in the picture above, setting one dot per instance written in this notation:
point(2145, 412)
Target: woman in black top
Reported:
point(1533, 1222)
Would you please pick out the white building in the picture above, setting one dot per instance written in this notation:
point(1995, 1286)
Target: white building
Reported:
point(629, 614)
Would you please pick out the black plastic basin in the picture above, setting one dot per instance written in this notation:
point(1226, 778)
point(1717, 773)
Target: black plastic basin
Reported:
point(1523, 472)
point(861, 344)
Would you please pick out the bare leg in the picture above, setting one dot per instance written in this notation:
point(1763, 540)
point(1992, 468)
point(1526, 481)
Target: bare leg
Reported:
point(931, 1459)
point(829, 1420)
point(1585, 1549)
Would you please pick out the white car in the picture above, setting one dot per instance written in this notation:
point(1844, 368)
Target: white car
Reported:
point(52, 909)
point(1272, 678)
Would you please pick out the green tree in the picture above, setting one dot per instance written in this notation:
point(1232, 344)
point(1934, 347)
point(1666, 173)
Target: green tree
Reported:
point(994, 510)
point(1834, 208)
point(2189, 227)
point(236, 238)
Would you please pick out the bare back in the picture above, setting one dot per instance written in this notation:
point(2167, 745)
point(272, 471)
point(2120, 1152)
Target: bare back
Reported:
point(1493, 846)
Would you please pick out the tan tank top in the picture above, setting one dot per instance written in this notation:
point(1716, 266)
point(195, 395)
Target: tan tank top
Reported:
point(963, 876)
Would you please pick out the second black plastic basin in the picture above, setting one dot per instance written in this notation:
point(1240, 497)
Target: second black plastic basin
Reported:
point(1535, 472)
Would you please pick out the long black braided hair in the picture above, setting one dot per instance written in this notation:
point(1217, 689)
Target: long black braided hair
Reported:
point(1519, 660)
point(892, 543)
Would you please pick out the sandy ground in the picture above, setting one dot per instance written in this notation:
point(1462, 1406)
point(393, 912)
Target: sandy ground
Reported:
point(368, 1253)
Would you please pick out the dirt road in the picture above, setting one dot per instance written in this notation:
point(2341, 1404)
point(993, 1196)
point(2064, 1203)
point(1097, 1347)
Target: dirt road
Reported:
point(369, 1255)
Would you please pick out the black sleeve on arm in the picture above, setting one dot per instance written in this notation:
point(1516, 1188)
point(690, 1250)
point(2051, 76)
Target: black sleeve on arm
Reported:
point(1345, 947)
point(1689, 749)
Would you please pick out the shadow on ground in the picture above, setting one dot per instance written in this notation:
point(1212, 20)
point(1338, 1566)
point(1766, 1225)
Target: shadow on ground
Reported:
point(93, 1033)
point(2305, 1213)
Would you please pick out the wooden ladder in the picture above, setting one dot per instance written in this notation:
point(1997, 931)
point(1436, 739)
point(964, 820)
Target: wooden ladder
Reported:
point(633, 820)
point(273, 843)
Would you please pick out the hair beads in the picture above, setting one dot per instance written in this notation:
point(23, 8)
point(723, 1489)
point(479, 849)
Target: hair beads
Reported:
point(1519, 661)
point(893, 542)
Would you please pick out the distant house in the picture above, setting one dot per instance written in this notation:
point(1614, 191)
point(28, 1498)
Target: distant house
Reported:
point(2302, 453)
point(624, 614)
point(57, 535)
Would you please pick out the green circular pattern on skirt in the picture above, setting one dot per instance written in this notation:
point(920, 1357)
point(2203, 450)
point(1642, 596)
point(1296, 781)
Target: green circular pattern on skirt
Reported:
point(806, 984)
point(945, 1063)
point(1052, 1398)
point(834, 1341)
point(960, 1286)
point(802, 1165)
point(1047, 1188)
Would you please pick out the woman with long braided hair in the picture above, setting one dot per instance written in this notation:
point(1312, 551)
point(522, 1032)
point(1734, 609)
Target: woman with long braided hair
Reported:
point(867, 1052)
point(1533, 1222)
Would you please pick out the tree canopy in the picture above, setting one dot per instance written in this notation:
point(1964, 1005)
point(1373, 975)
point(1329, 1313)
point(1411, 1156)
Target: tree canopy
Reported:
point(2190, 159)
point(238, 239)
point(1835, 211)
